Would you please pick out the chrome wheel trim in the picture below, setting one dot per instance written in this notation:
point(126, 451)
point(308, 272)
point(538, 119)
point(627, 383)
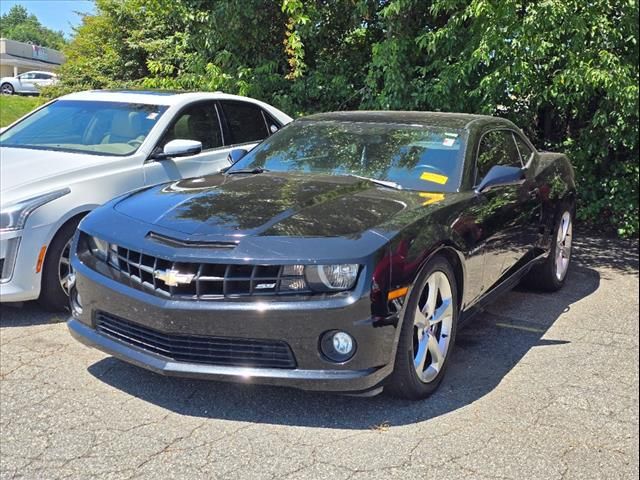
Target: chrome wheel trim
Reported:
point(65, 272)
point(7, 89)
point(564, 237)
point(432, 325)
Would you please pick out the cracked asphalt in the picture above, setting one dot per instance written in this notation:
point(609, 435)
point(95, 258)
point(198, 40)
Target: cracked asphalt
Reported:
point(541, 386)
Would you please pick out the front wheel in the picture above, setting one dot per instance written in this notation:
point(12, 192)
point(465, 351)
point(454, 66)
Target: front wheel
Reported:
point(7, 89)
point(428, 333)
point(56, 273)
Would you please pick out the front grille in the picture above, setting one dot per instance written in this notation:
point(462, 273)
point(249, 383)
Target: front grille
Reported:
point(224, 351)
point(209, 281)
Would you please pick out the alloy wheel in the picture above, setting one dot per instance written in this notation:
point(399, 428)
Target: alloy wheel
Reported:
point(432, 327)
point(563, 245)
point(65, 272)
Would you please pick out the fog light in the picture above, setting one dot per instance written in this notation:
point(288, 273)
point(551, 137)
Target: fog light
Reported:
point(337, 346)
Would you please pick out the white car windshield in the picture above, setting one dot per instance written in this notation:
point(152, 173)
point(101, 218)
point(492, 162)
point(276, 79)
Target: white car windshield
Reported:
point(101, 128)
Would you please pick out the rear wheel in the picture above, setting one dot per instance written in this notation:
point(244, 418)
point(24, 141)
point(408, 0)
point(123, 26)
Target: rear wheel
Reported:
point(56, 273)
point(428, 333)
point(7, 89)
point(552, 273)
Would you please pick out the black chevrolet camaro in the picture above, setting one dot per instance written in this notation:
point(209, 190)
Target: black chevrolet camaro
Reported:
point(341, 254)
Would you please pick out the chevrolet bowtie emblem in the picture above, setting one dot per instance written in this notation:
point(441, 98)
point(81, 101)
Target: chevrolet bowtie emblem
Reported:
point(171, 278)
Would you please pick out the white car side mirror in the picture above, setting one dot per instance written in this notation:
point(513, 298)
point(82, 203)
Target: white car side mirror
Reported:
point(182, 148)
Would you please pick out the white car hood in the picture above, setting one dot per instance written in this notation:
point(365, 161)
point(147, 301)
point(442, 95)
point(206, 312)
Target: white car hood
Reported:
point(25, 172)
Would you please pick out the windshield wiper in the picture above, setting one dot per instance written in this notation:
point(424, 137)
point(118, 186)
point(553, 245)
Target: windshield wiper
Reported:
point(384, 183)
point(248, 170)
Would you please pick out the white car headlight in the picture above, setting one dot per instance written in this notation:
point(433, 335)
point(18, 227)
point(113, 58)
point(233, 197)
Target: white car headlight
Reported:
point(332, 277)
point(13, 217)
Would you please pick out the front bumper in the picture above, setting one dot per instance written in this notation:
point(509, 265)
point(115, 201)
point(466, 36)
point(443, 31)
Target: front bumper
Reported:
point(299, 323)
point(22, 283)
point(354, 381)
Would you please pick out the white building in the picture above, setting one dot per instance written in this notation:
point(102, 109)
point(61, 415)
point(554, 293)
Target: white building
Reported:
point(18, 57)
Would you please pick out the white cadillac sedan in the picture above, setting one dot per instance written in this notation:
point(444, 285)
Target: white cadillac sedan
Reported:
point(75, 153)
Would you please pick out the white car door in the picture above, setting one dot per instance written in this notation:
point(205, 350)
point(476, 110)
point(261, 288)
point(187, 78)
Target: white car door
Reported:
point(42, 80)
point(198, 121)
point(245, 123)
point(221, 126)
point(26, 83)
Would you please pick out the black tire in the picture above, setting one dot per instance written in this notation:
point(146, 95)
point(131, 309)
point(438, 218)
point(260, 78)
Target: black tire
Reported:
point(7, 89)
point(544, 276)
point(52, 296)
point(404, 381)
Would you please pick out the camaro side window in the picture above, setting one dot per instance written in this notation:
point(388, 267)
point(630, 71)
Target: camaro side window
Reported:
point(523, 149)
point(197, 122)
point(246, 122)
point(496, 148)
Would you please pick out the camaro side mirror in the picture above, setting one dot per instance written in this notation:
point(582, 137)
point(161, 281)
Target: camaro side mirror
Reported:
point(236, 154)
point(181, 148)
point(500, 176)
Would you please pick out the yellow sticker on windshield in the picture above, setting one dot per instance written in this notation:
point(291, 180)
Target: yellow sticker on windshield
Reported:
point(431, 197)
point(434, 177)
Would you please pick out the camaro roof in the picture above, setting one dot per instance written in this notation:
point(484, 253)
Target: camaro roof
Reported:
point(448, 120)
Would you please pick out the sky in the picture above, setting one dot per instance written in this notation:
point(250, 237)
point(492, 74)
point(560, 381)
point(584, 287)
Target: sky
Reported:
point(54, 14)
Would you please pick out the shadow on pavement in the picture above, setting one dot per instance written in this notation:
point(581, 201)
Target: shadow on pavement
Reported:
point(602, 252)
point(487, 349)
point(28, 314)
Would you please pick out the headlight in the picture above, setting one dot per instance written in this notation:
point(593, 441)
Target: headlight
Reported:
point(14, 216)
point(318, 278)
point(99, 248)
point(331, 277)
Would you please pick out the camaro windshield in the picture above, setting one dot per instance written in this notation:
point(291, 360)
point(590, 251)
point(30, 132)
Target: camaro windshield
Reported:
point(103, 128)
point(415, 157)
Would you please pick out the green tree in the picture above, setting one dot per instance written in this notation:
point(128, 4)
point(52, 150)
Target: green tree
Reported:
point(104, 52)
point(18, 24)
point(566, 71)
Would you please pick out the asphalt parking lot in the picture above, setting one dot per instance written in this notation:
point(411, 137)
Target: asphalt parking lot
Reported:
point(542, 386)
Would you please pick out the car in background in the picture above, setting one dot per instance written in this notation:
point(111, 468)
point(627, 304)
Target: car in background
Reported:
point(340, 254)
point(27, 83)
point(72, 154)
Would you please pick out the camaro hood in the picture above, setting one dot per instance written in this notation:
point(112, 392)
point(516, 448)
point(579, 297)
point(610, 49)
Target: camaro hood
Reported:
point(268, 204)
point(22, 168)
